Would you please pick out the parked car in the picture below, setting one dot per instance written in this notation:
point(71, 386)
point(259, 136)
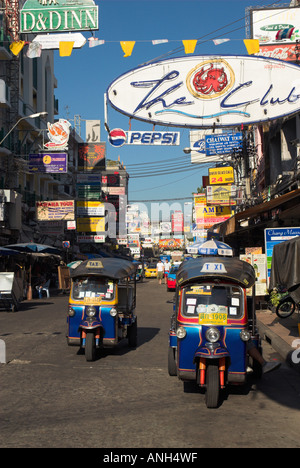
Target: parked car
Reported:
point(171, 278)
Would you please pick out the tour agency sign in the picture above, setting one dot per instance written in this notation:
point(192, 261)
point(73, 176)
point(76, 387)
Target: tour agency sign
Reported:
point(208, 91)
point(50, 16)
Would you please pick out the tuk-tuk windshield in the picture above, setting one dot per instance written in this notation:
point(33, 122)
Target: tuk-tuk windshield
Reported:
point(207, 298)
point(92, 286)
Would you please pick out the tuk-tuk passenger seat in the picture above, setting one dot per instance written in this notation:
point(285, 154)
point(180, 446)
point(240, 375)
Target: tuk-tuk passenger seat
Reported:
point(122, 298)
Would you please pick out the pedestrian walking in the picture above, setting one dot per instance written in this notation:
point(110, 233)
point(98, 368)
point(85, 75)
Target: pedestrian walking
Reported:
point(160, 271)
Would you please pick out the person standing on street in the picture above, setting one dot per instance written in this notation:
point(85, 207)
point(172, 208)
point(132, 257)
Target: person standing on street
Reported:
point(167, 267)
point(160, 271)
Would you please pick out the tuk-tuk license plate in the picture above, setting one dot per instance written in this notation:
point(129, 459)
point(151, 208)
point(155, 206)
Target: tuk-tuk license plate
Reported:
point(212, 318)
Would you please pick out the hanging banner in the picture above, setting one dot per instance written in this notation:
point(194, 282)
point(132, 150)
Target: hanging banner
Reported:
point(208, 91)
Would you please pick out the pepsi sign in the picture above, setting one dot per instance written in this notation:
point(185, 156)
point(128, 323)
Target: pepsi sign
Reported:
point(118, 137)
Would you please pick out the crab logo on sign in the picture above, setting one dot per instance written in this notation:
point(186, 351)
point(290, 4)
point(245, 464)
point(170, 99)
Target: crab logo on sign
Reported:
point(210, 79)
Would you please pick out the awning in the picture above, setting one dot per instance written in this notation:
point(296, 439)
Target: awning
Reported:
point(288, 204)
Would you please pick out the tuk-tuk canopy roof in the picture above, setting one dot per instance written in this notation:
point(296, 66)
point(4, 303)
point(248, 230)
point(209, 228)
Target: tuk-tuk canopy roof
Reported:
point(113, 268)
point(209, 268)
point(285, 269)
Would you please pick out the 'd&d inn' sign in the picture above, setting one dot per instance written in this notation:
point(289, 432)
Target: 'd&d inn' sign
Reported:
point(206, 91)
point(49, 16)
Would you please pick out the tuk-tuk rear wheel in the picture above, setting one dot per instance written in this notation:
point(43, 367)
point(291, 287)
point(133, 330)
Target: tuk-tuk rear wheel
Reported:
point(212, 394)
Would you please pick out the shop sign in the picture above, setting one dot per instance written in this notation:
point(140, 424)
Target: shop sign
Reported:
point(90, 208)
point(91, 224)
point(221, 175)
point(55, 210)
point(91, 239)
point(221, 194)
point(50, 16)
point(268, 22)
point(91, 157)
point(54, 163)
point(206, 91)
point(223, 143)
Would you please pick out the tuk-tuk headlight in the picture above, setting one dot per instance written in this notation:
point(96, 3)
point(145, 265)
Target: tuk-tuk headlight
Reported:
point(113, 311)
point(245, 335)
point(71, 312)
point(212, 335)
point(180, 332)
point(90, 311)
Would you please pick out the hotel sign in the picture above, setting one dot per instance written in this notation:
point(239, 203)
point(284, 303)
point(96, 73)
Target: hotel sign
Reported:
point(51, 16)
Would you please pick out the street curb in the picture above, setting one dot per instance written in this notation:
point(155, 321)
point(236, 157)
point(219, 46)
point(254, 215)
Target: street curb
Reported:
point(278, 344)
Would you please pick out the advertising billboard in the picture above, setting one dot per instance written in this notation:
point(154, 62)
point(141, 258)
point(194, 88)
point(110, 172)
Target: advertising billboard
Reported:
point(208, 91)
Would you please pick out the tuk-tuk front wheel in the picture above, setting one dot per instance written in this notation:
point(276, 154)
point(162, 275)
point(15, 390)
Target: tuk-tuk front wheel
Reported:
point(90, 347)
point(212, 394)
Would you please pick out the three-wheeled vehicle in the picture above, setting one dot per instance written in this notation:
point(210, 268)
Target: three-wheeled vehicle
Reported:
point(212, 324)
point(102, 305)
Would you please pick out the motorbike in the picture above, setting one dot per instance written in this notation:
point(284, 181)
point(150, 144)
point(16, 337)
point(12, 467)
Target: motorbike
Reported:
point(102, 305)
point(212, 325)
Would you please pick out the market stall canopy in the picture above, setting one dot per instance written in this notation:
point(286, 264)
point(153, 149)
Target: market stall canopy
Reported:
point(108, 267)
point(4, 251)
point(32, 247)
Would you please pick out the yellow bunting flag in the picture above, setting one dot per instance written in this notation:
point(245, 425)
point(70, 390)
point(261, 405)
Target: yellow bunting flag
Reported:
point(127, 47)
point(189, 46)
point(65, 48)
point(16, 47)
point(252, 46)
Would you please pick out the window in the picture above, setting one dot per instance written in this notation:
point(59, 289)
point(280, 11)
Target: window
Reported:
point(92, 287)
point(210, 297)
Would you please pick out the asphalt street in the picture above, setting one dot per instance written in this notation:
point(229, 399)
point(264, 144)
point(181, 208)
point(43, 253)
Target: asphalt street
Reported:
point(51, 397)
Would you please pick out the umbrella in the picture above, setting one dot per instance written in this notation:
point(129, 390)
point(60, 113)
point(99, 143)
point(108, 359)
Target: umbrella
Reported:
point(193, 249)
point(215, 247)
point(5, 252)
point(32, 247)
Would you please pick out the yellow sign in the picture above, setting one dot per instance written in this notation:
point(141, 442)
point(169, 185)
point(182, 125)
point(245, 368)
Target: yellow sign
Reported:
point(91, 224)
point(221, 175)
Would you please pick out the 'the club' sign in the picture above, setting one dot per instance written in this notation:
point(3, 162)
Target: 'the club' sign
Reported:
point(206, 91)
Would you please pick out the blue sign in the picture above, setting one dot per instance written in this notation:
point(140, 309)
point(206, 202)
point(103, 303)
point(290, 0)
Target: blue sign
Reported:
point(223, 143)
point(48, 162)
point(275, 236)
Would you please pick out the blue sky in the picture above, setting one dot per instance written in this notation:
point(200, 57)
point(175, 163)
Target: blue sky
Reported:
point(84, 76)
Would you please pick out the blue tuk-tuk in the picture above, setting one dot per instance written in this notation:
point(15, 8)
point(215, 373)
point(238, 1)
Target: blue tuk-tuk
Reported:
point(213, 324)
point(102, 305)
